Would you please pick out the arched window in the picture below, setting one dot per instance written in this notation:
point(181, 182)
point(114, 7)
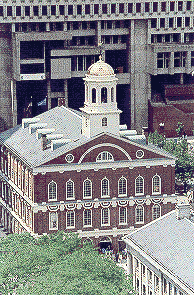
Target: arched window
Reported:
point(139, 185)
point(122, 215)
point(104, 157)
point(93, 95)
point(112, 94)
point(156, 185)
point(52, 191)
point(104, 95)
point(87, 217)
point(139, 214)
point(70, 189)
point(105, 216)
point(104, 122)
point(156, 211)
point(122, 186)
point(105, 187)
point(87, 189)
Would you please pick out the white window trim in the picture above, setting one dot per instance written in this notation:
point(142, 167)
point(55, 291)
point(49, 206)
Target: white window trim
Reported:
point(139, 222)
point(84, 190)
point(73, 198)
point(122, 195)
point(91, 218)
point(50, 221)
point(105, 196)
point(139, 194)
point(155, 193)
point(107, 224)
point(112, 160)
point(68, 227)
point(51, 200)
point(122, 223)
point(158, 205)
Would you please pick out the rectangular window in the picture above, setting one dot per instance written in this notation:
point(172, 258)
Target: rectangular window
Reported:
point(138, 7)
point(167, 38)
point(121, 7)
point(155, 7)
point(180, 5)
point(147, 7)
point(176, 38)
point(75, 25)
point(35, 10)
point(192, 58)
point(171, 22)
point(44, 10)
point(53, 221)
point(18, 10)
point(163, 60)
point(70, 9)
point(105, 216)
point(87, 218)
point(188, 5)
point(87, 9)
point(162, 22)
point(79, 9)
point(139, 214)
point(113, 8)
point(117, 24)
point(153, 23)
point(163, 6)
point(96, 8)
point(104, 8)
point(27, 10)
point(172, 6)
point(61, 9)
point(70, 222)
point(115, 39)
point(9, 10)
point(179, 22)
point(84, 25)
point(53, 10)
point(179, 59)
point(1, 10)
point(122, 215)
point(109, 24)
point(130, 7)
point(187, 21)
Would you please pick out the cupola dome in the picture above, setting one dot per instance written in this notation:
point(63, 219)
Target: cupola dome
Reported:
point(100, 68)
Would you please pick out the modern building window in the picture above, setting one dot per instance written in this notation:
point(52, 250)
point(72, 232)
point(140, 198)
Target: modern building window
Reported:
point(121, 7)
point(138, 7)
point(117, 24)
point(52, 191)
point(179, 22)
point(155, 7)
point(87, 9)
point(180, 5)
point(147, 6)
point(61, 9)
point(163, 60)
point(104, 95)
point(122, 186)
point(1, 10)
point(130, 7)
point(70, 9)
point(53, 221)
point(139, 185)
point(156, 211)
point(179, 59)
point(122, 215)
point(153, 23)
point(187, 21)
point(162, 22)
point(9, 10)
point(96, 8)
point(79, 9)
point(87, 217)
point(188, 5)
point(113, 8)
point(163, 6)
point(87, 189)
point(104, 8)
point(27, 10)
point(139, 214)
point(93, 95)
point(53, 9)
point(18, 10)
point(172, 5)
point(105, 188)
point(44, 10)
point(35, 10)
point(192, 58)
point(105, 216)
point(70, 219)
point(156, 185)
point(104, 157)
point(104, 122)
point(70, 189)
point(171, 22)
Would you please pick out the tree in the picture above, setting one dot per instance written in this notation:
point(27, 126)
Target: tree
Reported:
point(184, 168)
point(57, 264)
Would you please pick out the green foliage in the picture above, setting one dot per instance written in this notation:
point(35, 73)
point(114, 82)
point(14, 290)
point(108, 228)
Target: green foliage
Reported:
point(57, 264)
point(180, 129)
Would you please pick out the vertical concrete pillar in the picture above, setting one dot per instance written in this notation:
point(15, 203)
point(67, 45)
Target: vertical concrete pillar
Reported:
point(129, 264)
point(6, 118)
point(49, 94)
point(66, 92)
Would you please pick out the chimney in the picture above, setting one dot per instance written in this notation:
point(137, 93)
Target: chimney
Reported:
point(183, 210)
point(43, 142)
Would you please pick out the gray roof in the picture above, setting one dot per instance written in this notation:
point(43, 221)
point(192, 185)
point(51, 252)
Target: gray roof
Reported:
point(65, 121)
point(170, 242)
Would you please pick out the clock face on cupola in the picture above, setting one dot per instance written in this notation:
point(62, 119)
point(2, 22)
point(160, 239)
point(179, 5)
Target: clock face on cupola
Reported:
point(100, 113)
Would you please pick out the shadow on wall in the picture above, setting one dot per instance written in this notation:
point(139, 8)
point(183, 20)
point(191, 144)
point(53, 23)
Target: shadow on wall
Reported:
point(3, 125)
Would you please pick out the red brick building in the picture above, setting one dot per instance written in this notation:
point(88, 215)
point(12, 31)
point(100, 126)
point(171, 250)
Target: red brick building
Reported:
point(79, 171)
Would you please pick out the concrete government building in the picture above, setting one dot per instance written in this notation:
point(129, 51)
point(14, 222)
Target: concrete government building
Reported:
point(82, 171)
point(47, 46)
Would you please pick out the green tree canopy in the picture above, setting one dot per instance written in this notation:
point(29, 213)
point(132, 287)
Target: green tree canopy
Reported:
point(53, 264)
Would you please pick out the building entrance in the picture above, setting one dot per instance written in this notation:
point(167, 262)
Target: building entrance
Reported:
point(105, 243)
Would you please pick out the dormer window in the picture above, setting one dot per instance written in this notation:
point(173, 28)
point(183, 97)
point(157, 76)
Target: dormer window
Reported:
point(104, 122)
point(104, 157)
point(104, 95)
point(93, 95)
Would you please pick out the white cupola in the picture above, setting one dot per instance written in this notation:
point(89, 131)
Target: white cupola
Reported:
point(100, 113)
